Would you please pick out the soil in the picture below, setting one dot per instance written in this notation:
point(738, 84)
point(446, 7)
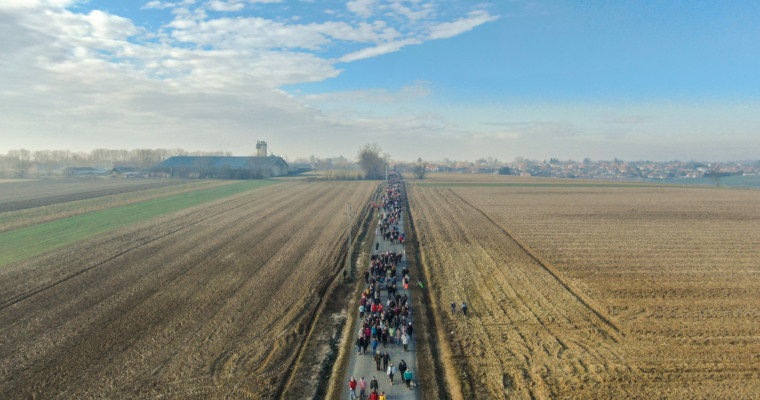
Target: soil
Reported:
point(593, 292)
point(37, 193)
point(211, 302)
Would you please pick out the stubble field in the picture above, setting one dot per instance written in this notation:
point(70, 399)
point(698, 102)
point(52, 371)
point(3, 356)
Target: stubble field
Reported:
point(212, 301)
point(593, 290)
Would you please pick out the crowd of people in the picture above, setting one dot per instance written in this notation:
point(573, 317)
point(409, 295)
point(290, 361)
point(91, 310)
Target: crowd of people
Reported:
point(384, 312)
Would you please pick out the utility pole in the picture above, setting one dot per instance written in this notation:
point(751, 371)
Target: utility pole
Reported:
point(350, 215)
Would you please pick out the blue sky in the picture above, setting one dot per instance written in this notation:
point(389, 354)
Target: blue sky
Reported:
point(434, 79)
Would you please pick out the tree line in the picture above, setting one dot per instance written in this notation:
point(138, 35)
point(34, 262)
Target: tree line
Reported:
point(23, 163)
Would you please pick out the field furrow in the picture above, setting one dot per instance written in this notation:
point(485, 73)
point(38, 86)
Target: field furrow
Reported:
point(208, 302)
point(527, 335)
point(599, 291)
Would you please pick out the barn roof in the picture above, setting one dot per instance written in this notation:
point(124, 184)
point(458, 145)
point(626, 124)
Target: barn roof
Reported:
point(250, 163)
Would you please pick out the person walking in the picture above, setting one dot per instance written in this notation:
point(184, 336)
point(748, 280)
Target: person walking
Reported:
point(383, 396)
point(453, 308)
point(401, 370)
point(405, 341)
point(378, 359)
point(391, 371)
point(352, 387)
point(408, 378)
point(362, 388)
point(373, 395)
point(373, 384)
point(464, 308)
point(386, 360)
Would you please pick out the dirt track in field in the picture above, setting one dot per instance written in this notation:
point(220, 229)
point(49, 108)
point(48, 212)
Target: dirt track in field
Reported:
point(211, 302)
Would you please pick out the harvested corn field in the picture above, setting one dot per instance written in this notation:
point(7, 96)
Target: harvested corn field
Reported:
point(212, 301)
point(592, 290)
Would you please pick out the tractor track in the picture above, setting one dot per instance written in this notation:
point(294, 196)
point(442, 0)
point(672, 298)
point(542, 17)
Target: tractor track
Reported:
point(608, 321)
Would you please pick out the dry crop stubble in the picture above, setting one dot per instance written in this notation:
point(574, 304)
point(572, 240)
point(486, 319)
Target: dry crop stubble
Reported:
point(526, 334)
point(209, 302)
point(674, 268)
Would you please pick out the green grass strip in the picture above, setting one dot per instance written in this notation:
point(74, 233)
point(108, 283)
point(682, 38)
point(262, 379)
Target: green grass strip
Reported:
point(34, 240)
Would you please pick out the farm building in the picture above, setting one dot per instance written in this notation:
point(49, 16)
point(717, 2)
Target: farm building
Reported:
point(221, 167)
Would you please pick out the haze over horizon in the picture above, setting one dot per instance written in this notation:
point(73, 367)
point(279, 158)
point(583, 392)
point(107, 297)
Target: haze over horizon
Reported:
point(422, 78)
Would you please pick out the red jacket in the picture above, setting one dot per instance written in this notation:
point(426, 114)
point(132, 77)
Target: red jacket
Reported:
point(352, 384)
point(374, 396)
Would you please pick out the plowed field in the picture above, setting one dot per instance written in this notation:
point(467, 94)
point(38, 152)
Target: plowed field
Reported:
point(23, 194)
point(587, 290)
point(209, 302)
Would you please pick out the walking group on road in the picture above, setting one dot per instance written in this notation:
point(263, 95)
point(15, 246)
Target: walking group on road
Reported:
point(385, 320)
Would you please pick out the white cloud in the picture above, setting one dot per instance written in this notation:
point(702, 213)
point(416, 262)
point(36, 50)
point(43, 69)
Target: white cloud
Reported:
point(100, 80)
point(449, 29)
point(500, 135)
point(405, 94)
point(380, 49)
point(362, 8)
point(157, 5)
point(22, 4)
point(218, 5)
point(546, 129)
point(421, 12)
point(109, 26)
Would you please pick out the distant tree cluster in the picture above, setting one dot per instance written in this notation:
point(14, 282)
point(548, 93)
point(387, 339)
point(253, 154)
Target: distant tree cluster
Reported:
point(23, 163)
point(372, 162)
point(338, 163)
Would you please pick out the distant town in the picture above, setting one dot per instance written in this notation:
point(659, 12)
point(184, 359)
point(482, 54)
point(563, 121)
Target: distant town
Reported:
point(139, 162)
point(645, 171)
point(588, 169)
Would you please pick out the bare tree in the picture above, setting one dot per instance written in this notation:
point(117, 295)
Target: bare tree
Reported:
point(372, 162)
point(420, 169)
point(22, 159)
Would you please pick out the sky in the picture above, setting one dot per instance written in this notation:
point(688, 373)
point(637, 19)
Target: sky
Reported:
point(431, 79)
